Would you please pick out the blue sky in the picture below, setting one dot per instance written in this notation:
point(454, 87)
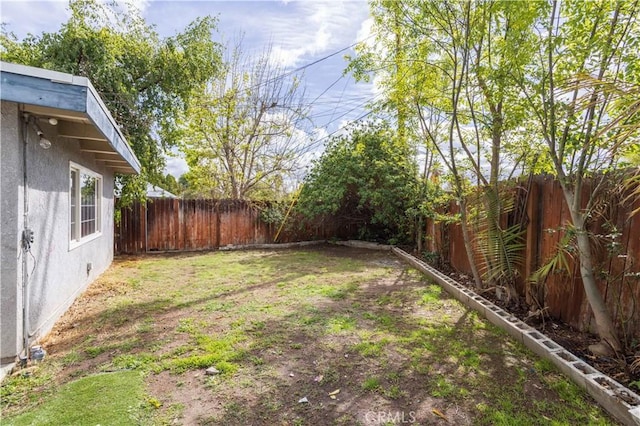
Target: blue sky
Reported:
point(300, 32)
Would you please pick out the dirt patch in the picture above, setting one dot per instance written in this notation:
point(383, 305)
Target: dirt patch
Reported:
point(316, 336)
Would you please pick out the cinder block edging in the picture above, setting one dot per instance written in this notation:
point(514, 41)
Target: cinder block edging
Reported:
point(619, 401)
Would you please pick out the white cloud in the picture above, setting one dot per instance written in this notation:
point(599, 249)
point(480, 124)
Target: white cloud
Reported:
point(176, 165)
point(33, 17)
point(364, 33)
point(319, 133)
point(129, 7)
point(314, 27)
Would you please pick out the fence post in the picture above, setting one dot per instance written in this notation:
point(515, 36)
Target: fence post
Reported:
point(144, 211)
point(218, 236)
point(533, 239)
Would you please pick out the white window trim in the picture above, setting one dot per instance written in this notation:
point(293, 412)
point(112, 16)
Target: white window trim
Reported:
point(99, 190)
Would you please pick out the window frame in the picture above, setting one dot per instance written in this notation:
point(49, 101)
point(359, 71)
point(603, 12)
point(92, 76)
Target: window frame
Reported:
point(75, 217)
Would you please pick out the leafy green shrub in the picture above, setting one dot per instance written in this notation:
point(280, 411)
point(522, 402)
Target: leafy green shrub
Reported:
point(365, 180)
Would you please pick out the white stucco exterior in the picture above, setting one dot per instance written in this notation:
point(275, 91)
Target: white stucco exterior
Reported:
point(35, 194)
point(56, 273)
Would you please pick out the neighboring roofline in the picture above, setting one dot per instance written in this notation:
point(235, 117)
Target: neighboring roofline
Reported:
point(163, 193)
point(53, 89)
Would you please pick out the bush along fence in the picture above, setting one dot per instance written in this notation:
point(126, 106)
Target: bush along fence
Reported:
point(540, 208)
point(170, 224)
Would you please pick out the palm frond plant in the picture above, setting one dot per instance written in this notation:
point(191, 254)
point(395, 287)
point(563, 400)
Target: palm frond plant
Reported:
point(500, 245)
point(560, 261)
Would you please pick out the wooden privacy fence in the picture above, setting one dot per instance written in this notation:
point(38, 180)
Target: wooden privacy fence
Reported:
point(190, 225)
point(170, 224)
point(545, 216)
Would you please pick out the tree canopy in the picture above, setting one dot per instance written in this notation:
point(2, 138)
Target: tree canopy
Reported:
point(242, 138)
point(145, 81)
point(551, 85)
point(365, 179)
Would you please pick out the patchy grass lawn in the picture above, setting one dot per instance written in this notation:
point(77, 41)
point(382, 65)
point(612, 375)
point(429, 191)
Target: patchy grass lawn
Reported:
point(103, 399)
point(357, 334)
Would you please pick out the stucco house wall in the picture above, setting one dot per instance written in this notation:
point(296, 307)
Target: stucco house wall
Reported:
point(56, 272)
point(45, 280)
point(10, 210)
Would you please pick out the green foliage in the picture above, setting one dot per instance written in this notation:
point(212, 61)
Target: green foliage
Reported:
point(108, 399)
point(366, 179)
point(145, 81)
point(169, 183)
point(501, 247)
point(274, 212)
point(242, 137)
point(583, 87)
point(561, 260)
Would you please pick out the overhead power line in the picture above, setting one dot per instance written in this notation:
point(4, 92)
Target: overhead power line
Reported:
point(308, 148)
point(324, 58)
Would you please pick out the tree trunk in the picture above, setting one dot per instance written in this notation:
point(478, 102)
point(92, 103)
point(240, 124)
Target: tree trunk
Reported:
point(467, 244)
point(604, 324)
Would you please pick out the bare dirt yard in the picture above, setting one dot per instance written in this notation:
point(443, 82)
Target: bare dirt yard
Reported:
point(316, 336)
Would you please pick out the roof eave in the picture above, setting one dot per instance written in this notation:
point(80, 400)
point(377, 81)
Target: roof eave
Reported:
point(66, 92)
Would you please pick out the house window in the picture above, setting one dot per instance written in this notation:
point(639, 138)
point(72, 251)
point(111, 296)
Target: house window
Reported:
point(85, 194)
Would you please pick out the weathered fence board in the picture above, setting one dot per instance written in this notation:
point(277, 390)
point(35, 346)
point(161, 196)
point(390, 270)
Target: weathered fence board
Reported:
point(547, 217)
point(168, 224)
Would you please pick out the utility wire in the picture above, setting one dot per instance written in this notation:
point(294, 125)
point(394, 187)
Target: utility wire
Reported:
point(303, 67)
point(339, 100)
point(360, 105)
point(315, 143)
point(327, 89)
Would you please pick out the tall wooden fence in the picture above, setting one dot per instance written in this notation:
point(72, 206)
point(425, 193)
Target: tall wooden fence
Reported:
point(185, 225)
point(167, 224)
point(545, 215)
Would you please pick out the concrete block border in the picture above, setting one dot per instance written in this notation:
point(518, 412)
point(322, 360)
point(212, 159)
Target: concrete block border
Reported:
point(275, 246)
point(619, 401)
point(232, 247)
point(362, 244)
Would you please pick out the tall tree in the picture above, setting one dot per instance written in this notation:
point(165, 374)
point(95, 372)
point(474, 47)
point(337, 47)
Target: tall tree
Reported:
point(578, 90)
point(430, 66)
point(244, 136)
point(145, 81)
point(485, 69)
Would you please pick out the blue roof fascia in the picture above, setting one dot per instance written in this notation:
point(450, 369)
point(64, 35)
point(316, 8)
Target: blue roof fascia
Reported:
point(52, 89)
point(99, 114)
point(37, 91)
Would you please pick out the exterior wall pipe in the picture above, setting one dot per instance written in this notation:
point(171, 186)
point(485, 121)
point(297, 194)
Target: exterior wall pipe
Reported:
point(25, 223)
point(26, 238)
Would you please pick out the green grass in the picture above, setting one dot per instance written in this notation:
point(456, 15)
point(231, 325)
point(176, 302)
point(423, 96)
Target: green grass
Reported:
point(371, 384)
point(289, 324)
point(370, 348)
point(442, 387)
point(104, 399)
point(430, 295)
point(340, 324)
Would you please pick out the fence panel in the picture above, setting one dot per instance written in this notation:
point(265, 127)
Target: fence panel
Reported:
point(547, 218)
point(168, 224)
point(130, 230)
